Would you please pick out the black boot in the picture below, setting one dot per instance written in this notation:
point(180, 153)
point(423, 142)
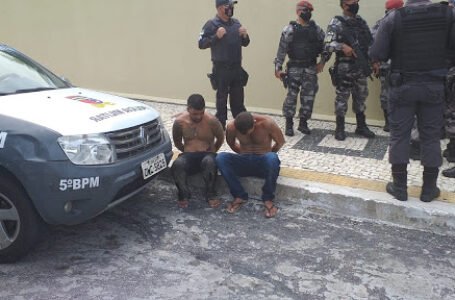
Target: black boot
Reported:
point(449, 153)
point(430, 191)
point(414, 150)
point(289, 127)
point(449, 172)
point(303, 126)
point(340, 135)
point(362, 128)
point(386, 127)
point(399, 187)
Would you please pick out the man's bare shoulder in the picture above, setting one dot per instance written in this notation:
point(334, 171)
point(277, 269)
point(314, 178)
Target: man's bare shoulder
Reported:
point(259, 118)
point(264, 121)
point(214, 124)
point(210, 118)
point(230, 126)
point(182, 117)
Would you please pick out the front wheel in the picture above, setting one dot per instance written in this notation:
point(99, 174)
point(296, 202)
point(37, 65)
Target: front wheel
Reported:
point(20, 225)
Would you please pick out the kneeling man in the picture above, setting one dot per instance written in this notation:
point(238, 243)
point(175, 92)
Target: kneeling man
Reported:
point(256, 140)
point(199, 135)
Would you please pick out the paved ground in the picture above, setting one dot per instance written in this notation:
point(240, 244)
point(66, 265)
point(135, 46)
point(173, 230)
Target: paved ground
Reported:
point(147, 248)
point(352, 159)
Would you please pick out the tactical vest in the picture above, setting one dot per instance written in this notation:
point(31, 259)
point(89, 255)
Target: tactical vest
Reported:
point(305, 44)
point(228, 50)
point(356, 29)
point(420, 38)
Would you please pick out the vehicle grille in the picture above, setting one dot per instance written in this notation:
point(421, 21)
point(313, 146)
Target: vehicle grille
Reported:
point(135, 140)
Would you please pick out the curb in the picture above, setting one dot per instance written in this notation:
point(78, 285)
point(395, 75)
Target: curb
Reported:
point(352, 201)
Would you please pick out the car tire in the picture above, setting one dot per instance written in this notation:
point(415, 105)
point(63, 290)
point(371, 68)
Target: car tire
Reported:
point(20, 224)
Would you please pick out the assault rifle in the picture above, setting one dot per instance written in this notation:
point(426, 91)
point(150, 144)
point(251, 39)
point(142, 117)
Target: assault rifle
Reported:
point(361, 61)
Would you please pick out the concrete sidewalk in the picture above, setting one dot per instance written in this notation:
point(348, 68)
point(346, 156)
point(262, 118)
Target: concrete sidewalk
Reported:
point(349, 176)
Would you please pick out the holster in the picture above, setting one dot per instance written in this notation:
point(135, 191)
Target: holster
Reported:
point(285, 79)
point(384, 70)
point(333, 75)
point(213, 80)
point(243, 77)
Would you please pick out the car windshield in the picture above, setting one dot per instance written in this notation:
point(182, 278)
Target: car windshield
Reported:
point(20, 74)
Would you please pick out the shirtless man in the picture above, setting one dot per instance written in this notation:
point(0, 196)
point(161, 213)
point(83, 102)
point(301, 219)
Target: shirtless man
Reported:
point(199, 135)
point(256, 139)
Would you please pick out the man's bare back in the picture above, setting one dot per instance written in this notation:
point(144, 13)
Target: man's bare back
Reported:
point(259, 139)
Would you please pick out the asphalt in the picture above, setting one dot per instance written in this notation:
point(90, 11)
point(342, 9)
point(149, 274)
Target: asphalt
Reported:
point(346, 177)
point(149, 248)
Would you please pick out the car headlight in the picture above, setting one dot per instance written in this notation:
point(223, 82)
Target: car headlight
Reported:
point(88, 149)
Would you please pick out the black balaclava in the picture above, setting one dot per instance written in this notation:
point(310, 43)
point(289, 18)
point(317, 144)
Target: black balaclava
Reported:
point(229, 10)
point(353, 8)
point(306, 15)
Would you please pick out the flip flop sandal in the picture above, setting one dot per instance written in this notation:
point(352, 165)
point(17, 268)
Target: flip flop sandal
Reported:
point(215, 203)
point(270, 212)
point(234, 206)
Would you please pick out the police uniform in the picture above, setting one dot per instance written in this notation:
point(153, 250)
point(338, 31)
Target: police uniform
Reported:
point(384, 71)
point(350, 78)
point(415, 38)
point(449, 116)
point(229, 76)
point(303, 44)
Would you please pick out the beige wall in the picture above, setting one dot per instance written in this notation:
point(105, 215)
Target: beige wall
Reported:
point(149, 47)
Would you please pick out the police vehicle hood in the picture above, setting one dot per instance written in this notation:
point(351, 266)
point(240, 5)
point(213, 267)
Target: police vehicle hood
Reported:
point(76, 111)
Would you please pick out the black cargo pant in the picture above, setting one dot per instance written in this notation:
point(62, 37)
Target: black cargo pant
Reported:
point(190, 163)
point(230, 82)
point(422, 100)
point(450, 104)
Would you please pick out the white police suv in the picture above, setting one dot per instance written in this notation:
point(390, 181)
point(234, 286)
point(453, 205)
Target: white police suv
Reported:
point(67, 153)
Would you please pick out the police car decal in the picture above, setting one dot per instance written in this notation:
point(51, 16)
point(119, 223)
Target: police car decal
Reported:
point(92, 101)
point(75, 184)
point(3, 136)
point(117, 112)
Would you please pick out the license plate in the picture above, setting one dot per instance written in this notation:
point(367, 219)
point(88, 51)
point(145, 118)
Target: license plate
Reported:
point(153, 165)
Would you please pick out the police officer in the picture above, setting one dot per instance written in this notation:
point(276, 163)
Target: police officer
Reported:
point(449, 117)
point(350, 37)
point(384, 68)
point(415, 38)
point(303, 41)
point(225, 37)
point(450, 111)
